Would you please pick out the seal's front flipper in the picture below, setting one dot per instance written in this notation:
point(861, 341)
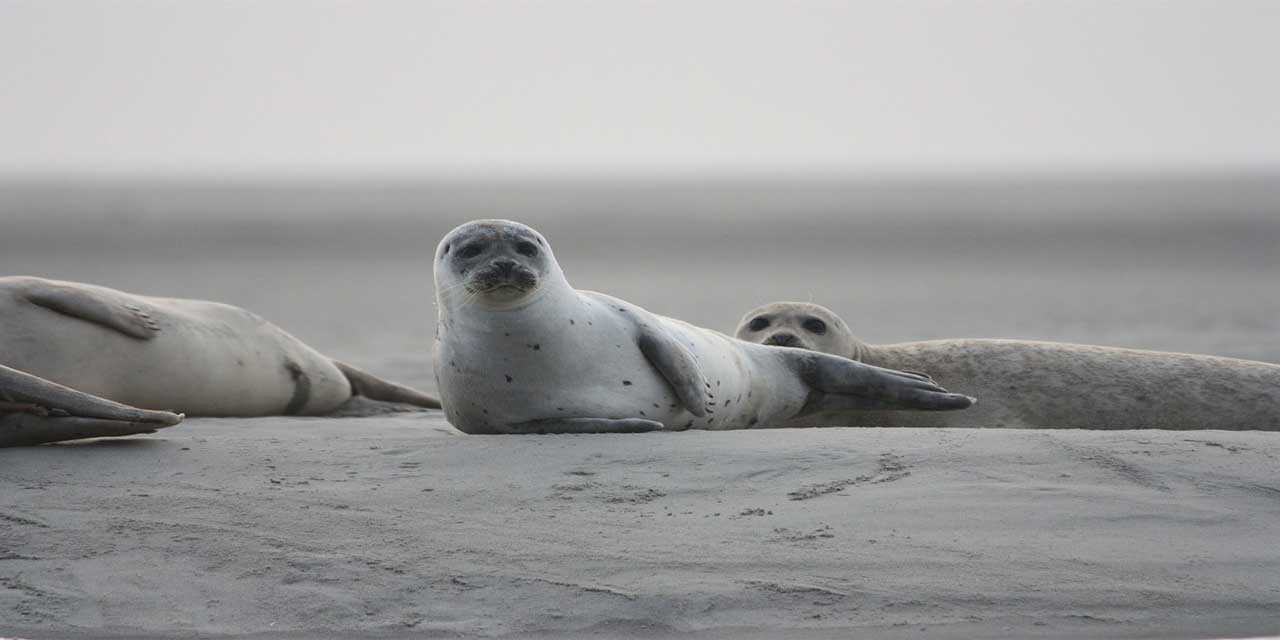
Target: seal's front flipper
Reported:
point(111, 309)
point(847, 384)
point(677, 365)
point(375, 388)
point(34, 411)
point(585, 425)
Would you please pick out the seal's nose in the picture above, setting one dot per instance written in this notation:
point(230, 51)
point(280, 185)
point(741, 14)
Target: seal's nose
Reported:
point(783, 339)
point(504, 267)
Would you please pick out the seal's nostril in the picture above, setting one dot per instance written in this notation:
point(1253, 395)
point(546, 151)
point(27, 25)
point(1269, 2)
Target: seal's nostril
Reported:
point(782, 340)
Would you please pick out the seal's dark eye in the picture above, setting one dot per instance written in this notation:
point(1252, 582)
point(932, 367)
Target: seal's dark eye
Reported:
point(759, 324)
point(470, 251)
point(814, 325)
point(526, 249)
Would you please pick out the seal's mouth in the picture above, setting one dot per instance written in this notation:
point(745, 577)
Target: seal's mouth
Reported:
point(785, 339)
point(503, 279)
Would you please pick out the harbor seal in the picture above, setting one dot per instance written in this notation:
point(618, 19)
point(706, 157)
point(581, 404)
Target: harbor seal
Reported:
point(1022, 383)
point(520, 351)
point(35, 411)
point(192, 356)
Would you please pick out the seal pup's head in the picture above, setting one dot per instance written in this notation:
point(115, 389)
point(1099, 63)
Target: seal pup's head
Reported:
point(802, 325)
point(494, 263)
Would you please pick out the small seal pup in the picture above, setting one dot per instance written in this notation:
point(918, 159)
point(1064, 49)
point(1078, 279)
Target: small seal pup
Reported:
point(1023, 384)
point(519, 351)
point(201, 358)
point(34, 411)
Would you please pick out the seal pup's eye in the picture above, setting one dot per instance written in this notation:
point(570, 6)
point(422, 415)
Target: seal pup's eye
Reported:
point(814, 325)
point(526, 249)
point(470, 251)
point(759, 324)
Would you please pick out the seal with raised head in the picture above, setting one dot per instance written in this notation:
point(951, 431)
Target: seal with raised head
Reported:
point(1045, 385)
point(520, 351)
point(193, 356)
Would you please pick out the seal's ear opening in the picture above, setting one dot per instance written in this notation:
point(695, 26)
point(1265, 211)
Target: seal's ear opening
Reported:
point(446, 250)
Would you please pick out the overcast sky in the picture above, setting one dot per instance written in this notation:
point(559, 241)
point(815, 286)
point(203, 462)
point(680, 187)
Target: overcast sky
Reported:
point(560, 87)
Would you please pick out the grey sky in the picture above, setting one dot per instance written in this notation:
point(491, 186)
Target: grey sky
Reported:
point(618, 87)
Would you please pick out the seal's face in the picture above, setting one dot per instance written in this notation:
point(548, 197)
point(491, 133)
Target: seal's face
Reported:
point(801, 325)
point(495, 262)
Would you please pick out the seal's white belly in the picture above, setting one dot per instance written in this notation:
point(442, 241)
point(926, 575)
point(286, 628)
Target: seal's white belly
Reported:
point(588, 364)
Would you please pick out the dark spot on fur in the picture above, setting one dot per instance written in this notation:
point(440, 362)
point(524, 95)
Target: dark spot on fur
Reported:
point(486, 411)
point(507, 334)
point(626, 383)
point(712, 403)
point(301, 388)
point(690, 425)
point(509, 378)
point(726, 402)
point(643, 413)
point(571, 321)
point(622, 310)
point(446, 250)
point(657, 406)
point(535, 347)
point(754, 420)
point(559, 408)
point(710, 420)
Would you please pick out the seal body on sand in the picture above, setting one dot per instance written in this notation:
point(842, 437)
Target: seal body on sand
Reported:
point(519, 351)
point(201, 358)
point(1022, 383)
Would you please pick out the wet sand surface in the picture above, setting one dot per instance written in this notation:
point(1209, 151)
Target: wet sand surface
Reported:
point(401, 527)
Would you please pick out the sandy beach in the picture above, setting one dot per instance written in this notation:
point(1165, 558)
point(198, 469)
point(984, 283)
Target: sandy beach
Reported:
point(403, 527)
point(400, 526)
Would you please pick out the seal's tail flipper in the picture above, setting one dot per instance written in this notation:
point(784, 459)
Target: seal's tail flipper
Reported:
point(375, 388)
point(34, 411)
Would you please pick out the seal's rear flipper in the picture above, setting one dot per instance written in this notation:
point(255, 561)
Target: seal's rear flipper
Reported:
point(25, 429)
point(110, 309)
point(840, 384)
point(372, 387)
point(585, 425)
point(34, 411)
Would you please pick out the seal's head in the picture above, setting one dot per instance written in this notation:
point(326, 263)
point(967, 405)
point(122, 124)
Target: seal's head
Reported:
point(496, 263)
point(802, 325)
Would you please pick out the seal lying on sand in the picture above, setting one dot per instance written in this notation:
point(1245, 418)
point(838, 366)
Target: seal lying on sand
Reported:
point(34, 410)
point(519, 351)
point(1044, 385)
point(200, 358)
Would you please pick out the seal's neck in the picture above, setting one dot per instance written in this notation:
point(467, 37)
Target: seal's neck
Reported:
point(546, 305)
point(876, 356)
